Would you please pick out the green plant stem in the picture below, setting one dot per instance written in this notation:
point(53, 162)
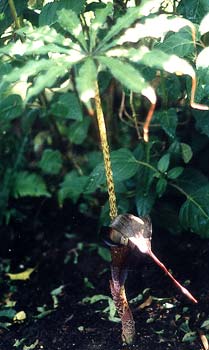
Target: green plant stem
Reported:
point(14, 14)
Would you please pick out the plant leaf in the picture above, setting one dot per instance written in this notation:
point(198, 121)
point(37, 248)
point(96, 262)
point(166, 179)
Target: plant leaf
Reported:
point(175, 172)
point(72, 187)
point(67, 106)
point(29, 184)
point(78, 131)
point(86, 81)
point(70, 22)
point(51, 162)
point(204, 25)
point(98, 22)
point(194, 213)
point(11, 107)
point(21, 276)
point(186, 152)
point(129, 76)
point(132, 14)
point(124, 166)
point(168, 120)
point(163, 163)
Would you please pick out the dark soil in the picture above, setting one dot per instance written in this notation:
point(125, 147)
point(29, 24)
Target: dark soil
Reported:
point(76, 325)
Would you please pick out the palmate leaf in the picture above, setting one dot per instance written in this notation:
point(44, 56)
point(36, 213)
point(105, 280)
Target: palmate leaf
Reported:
point(194, 213)
point(155, 58)
point(98, 22)
point(132, 14)
point(128, 76)
point(155, 27)
point(86, 81)
point(70, 22)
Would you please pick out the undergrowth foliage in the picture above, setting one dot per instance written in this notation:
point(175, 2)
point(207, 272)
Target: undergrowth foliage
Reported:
point(151, 53)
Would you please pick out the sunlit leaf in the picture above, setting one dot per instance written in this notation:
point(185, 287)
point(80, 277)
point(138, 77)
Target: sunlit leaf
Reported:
point(132, 14)
point(204, 25)
point(19, 316)
point(70, 22)
point(98, 22)
point(189, 337)
point(128, 76)
point(86, 81)
point(21, 276)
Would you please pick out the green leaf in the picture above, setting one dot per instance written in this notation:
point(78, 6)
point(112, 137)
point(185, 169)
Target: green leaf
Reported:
point(67, 106)
point(204, 25)
point(163, 163)
point(104, 253)
point(168, 120)
point(70, 22)
point(11, 107)
point(191, 180)
point(161, 186)
point(72, 187)
point(124, 166)
point(78, 131)
point(128, 76)
point(98, 22)
point(29, 184)
point(132, 14)
point(49, 13)
point(202, 121)
point(51, 162)
point(205, 324)
point(156, 27)
point(180, 43)
point(5, 12)
point(186, 152)
point(86, 81)
point(194, 213)
point(175, 172)
point(144, 201)
point(193, 10)
point(189, 337)
point(8, 313)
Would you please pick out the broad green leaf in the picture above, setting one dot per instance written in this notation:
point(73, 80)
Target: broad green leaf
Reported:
point(86, 81)
point(202, 121)
point(163, 163)
point(8, 313)
point(67, 106)
point(98, 22)
point(104, 253)
point(78, 131)
point(51, 162)
point(29, 184)
point(191, 180)
point(49, 12)
point(193, 9)
point(11, 107)
point(124, 166)
point(180, 43)
point(205, 324)
point(70, 22)
point(144, 201)
point(194, 213)
point(155, 27)
point(168, 120)
point(189, 337)
point(186, 152)
point(72, 187)
point(161, 186)
point(132, 14)
point(128, 76)
point(175, 172)
point(204, 25)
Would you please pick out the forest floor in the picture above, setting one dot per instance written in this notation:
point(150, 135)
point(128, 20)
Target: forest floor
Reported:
point(68, 269)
